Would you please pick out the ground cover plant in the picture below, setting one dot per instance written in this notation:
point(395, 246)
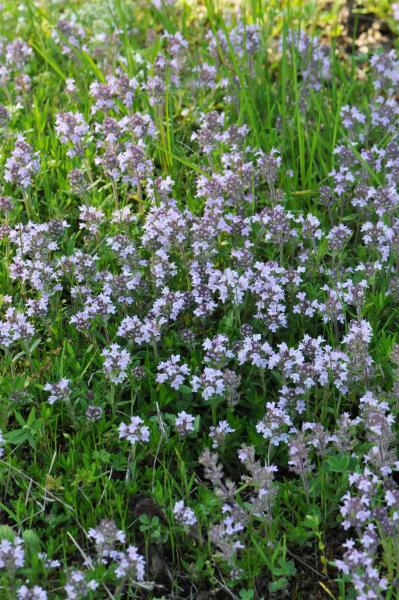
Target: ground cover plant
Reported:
point(199, 285)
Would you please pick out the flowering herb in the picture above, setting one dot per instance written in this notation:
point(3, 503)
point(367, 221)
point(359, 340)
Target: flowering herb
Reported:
point(199, 372)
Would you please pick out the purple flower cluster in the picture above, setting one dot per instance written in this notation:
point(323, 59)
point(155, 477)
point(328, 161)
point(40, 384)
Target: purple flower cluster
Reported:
point(116, 362)
point(374, 521)
point(12, 554)
point(22, 164)
point(184, 515)
point(135, 432)
point(71, 128)
point(58, 391)
point(173, 372)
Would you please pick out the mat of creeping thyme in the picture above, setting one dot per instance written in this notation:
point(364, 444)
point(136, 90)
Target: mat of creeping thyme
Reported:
point(199, 286)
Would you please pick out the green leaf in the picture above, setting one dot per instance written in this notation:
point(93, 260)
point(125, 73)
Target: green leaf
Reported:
point(7, 533)
point(185, 389)
point(278, 585)
point(32, 417)
point(20, 419)
point(18, 436)
point(246, 594)
point(339, 463)
point(197, 423)
point(49, 60)
point(31, 539)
